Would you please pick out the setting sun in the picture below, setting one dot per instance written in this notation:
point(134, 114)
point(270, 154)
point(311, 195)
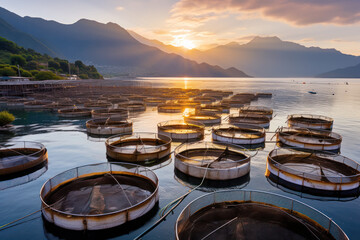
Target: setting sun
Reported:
point(187, 44)
point(182, 42)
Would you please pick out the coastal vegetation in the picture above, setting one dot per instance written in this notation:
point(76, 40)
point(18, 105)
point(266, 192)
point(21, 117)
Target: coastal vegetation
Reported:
point(16, 60)
point(6, 118)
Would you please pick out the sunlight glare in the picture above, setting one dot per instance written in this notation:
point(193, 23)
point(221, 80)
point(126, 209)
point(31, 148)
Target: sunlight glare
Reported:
point(187, 112)
point(181, 41)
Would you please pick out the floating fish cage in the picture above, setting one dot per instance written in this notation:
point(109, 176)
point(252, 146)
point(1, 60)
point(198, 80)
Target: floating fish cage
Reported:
point(119, 113)
point(179, 130)
point(309, 139)
point(225, 107)
point(16, 103)
point(204, 118)
point(240, 134)
point(99, 196)
point(321, 173)
point(23, 177)
point(256, 110)
point(204, 100)
point(167, 108)
point(74, 112)
point(217, 96)
point(246, 97)
point(310, 121)
point(234, 103)
point(215, 161)
point(108, 126)
point(20, 156)
point(97, 105)
point(138, 147)
point(256, 120)
point(55, 106)
point(154, 101)
point(133, 106)
point(137, 98)
point(247, 214)
point(36, 104)
point(189, 104)
point(117, 100)
point(209, 109)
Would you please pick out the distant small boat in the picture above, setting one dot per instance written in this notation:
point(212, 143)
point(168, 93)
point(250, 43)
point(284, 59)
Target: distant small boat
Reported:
point(312, 92)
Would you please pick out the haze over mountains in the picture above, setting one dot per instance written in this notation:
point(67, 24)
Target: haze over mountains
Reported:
point(110, 46)
point(113, 50)
point(266, 57)
point(348, 72)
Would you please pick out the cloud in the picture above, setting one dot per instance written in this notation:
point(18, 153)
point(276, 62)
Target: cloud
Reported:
point(298, 12)
point(119, 8)
point(160, 32)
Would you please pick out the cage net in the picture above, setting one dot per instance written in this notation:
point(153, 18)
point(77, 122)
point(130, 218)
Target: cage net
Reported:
point(252, 221)
point(100, 194)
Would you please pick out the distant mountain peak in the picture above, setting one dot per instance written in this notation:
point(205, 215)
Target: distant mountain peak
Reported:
point(232, 44)
point(259, 39)
point(85, 21)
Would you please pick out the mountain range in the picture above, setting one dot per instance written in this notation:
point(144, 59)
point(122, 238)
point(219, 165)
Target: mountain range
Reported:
point(112, 49)
point(109, 46)
point(266, 57)
point(348, 72)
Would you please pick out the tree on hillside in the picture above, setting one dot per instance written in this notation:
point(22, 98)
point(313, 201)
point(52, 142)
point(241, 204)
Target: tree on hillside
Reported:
point(79, 64)
point(8, 46)
point(7, 71)
point(47, 76)
point(32, 65)
point(64, 65)
point(53, 64)
point(17, 60)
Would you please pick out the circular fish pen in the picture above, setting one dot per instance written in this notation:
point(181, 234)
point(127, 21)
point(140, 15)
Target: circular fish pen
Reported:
point(16, 103)
point(256, 120)
point(204, 100)
point(55, 106)
point(204, 118)
point(179, 130)
point(167, 108)
point(37, 104)
point(320, 173)
point(133, 106)
point(234, 103)
point(97, 105)
point(138, 147)
point(245, 214)
point(310, 121)
point(23, 177)
point(309, 139)
point(256, 110)
point(240, 134)
point(152, 101)
point(108, 126)
point(225, 107)
point(20, 156)
point(215, 161)
point(99, 196)
point(74, 112)
point(119, 113)
point(212, 109)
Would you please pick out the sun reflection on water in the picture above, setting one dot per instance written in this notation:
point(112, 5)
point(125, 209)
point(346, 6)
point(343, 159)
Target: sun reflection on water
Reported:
point(185, 82)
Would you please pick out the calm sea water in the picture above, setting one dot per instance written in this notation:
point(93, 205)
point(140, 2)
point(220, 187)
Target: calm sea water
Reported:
point(69, 146)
